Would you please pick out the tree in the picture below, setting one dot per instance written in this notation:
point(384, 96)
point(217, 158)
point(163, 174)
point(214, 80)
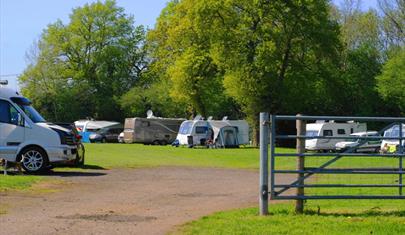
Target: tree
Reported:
point(181, 52)
point(391, 83)
point(86, 65)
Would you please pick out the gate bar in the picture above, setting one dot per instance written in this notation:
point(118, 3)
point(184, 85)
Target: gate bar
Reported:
point(264, 164)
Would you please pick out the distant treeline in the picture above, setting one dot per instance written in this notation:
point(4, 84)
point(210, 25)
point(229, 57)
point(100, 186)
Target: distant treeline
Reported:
point(222, 58)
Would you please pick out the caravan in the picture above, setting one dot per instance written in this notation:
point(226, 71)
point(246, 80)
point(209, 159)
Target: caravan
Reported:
point(27, 138)
point(393, 132)
point(219, 133)
point(151, 130)
point(330, 129)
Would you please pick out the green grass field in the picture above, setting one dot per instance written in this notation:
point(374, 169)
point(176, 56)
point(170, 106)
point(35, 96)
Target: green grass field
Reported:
point(336, 216)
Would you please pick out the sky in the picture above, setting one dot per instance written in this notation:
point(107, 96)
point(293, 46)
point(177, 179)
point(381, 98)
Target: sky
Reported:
point(22, 22)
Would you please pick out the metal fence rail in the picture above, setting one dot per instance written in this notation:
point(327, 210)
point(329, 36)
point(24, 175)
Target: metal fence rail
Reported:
point(268, 125)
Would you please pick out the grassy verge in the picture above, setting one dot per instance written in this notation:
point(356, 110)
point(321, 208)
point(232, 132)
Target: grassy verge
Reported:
point(338, 219)
point(18, 182)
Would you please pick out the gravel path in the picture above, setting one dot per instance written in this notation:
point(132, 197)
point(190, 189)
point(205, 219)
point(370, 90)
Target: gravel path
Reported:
point(128, 201)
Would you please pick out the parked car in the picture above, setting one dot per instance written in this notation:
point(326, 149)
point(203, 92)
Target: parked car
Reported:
point(26, 137)
point(370, 146)
point(106, 134)
point(80, 147)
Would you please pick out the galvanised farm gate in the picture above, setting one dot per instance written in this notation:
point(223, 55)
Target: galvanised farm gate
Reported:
point(348, 174)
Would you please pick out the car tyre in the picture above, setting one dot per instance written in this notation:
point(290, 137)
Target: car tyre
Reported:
point(34, 160)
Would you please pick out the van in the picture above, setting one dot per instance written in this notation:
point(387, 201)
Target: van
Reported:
point(330, 129)
point(392, 145)
point(26, 137)
point(219, 133)
point(153, 130)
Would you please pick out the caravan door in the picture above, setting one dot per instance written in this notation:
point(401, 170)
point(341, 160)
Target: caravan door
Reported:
point(12, 131)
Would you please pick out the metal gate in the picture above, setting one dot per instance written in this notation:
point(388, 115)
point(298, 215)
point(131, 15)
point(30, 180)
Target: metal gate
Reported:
point(311, 169)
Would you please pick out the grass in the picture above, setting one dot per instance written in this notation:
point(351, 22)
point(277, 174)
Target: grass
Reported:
point(137, 156)
point(18, 182)
point(358, 219)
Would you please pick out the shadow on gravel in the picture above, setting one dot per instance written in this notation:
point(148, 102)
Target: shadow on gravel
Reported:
point(72, 173)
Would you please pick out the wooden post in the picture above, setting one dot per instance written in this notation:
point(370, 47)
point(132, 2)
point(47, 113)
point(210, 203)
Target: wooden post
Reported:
point(301, 130)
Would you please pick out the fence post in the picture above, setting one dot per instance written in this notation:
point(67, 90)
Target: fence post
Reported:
point(301, 129)
point(264, 164)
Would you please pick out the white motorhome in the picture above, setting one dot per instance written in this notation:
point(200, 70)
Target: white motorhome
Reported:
point(27, 138)
point(221, 133)
point(330, 129)
point(391, 145)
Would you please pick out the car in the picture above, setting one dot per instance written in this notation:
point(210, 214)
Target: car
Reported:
point(106, 134)
point(79, 161)
point(365, 146)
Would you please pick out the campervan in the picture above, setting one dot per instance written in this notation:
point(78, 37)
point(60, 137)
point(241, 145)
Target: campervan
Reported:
point(391, 145)
point(151, 130)
point(26, 137)
point(86, 128)
point(219, 133)
point(330, 129)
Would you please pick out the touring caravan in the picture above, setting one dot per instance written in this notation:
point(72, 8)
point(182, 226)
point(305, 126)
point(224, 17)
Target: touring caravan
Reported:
point(26, 137)
point(330, 129)
point(219, 133)
point(391, 145)
point(151, 130)
point(90, 127)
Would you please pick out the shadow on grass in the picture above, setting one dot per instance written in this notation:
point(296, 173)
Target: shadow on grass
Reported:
point(86, 167)
point(367, 213)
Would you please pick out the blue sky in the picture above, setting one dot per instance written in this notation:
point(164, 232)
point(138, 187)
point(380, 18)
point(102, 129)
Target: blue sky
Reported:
point(22, 21)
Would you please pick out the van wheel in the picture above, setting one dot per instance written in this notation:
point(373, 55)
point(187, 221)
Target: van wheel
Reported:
point(163, 142)
point(34, 160)
point(155, 142)
point(103, 140)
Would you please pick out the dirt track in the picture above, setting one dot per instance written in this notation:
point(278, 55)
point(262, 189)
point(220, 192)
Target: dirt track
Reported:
point(125, 201)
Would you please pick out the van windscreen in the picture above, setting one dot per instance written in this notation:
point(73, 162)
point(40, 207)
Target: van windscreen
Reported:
point(25, 105)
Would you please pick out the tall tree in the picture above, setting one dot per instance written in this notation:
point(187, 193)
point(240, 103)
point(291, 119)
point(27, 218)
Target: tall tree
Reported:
point(86, 65)
point(391, 83)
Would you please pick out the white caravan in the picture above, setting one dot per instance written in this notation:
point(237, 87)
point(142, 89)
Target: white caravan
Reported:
point(27, 138)
point(391, 145)
point(220, 133)
point(330, 129)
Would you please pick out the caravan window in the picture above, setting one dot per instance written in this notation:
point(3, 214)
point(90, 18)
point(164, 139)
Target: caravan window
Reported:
point(312, 133)
point(185, 128)
point(341, 132)
point(201, 129)
point(327, 133)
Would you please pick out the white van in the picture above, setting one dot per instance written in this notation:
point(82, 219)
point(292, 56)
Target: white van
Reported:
point(27, 138)
point(391, 145)
point(330, 129)
point(221, 133)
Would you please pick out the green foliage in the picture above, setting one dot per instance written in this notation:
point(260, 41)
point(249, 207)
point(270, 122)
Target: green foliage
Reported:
point(391, 83)
point(81, 69)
